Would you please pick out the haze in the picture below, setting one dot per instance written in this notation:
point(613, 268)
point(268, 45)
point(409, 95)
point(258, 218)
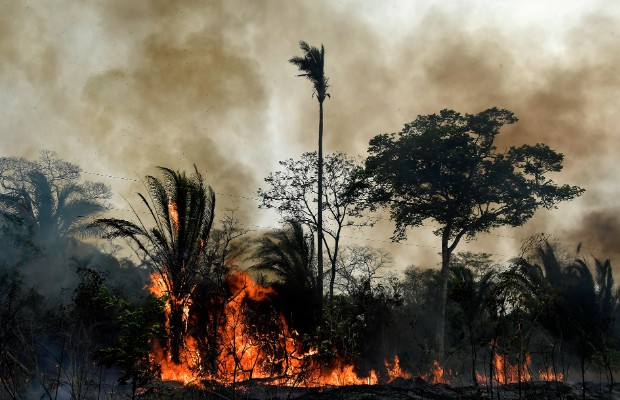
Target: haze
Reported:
point(120, 87)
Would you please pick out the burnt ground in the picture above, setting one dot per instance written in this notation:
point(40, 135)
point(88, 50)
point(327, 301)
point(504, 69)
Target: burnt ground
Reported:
point(403, 390)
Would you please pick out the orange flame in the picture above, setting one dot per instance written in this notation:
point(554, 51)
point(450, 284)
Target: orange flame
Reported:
point(248, 352)
point(504, 372)
point(511, 373)
point(394, 370)
point(551, 376)
point(174, 215)
point(437, 374)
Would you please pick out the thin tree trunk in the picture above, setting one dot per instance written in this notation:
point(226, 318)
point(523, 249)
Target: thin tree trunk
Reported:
point(441, 318)
point(320, 210)
point(334, 260)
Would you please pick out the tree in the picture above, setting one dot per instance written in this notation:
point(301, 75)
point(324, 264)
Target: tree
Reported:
point(46, 201)
point(293, 191)
point(19, 309)
point(182, 210)
point(360, 265)
point(131, 351)
point(571, 303)
point(472, 295)
point(312, 66)
point(288, 254)
point(445, 167)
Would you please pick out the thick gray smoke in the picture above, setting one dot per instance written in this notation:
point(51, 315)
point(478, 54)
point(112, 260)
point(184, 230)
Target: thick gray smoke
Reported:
point(119, 87)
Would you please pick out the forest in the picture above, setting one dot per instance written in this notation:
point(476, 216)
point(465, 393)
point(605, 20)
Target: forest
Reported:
point(194, 298)
point(178, 301)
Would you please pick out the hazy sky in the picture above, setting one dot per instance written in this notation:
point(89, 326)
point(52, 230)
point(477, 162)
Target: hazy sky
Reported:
point(120, 86)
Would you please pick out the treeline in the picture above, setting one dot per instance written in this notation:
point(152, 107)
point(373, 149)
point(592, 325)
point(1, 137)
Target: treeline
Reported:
point(76, 318)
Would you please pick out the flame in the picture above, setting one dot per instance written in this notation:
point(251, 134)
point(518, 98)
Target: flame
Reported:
point(551, 376)
point(174, 215)
point(394, 370)
point(187, 372)
point(251, 350)
point(437, 374)
point(504, 372)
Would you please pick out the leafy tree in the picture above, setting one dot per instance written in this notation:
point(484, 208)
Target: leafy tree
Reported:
point(139, 326)
point(445, 167)
point(182, 210)
point(43, 203)
point(293, 191)
point(312, 66)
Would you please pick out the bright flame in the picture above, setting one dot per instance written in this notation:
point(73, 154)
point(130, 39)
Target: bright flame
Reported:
point(394, 370)
point(265, 349)
point(511, 373)
point(549, 375)
point(437, 374)
point(174, 215)
point(504, 372)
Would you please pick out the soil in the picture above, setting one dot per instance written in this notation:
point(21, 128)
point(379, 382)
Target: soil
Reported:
point(400, 390)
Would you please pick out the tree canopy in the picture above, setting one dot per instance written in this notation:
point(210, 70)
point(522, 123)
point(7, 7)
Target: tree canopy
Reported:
point(293, 193)
point(445, 167)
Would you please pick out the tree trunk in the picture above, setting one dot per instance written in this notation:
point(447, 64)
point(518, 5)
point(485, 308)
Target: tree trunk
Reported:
point(441, 318)
point(320, 210)
point(176, 330)
point(333, 262)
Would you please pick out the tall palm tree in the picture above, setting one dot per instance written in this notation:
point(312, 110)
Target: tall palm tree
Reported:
point(182, 210)
point(312, 66)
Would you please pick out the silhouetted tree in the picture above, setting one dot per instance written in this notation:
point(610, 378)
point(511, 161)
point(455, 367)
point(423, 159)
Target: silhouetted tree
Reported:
point(292, 192)
point(45, 202)
point(357, 265)
point(19, 307)
point(182, 210)
point(312, 66)
point(288, 254)
point(445, 167)
point(472, 292)
point(572, 303)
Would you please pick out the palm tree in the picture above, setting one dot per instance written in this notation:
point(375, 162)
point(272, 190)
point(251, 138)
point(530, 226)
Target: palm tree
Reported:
point(312, 64)
point(288, 255)
point(182, 210)
point(571, 303)
point(473, 298)
point(43, 207)
point(47, 198)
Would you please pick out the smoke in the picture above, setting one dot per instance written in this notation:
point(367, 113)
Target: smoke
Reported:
point(119, 87)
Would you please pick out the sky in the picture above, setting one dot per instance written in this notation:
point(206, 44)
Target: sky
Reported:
point(119, 87)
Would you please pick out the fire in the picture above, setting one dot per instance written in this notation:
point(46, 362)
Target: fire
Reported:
point(437, 374)
point(394, 370)
point(551, 376)
point(187, 371)
point(505, 372)
point(174, 215)
point(247, 351)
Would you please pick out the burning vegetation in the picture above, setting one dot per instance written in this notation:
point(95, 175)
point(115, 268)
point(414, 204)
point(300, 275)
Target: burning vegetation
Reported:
point(203, 322)
point(263, 348)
